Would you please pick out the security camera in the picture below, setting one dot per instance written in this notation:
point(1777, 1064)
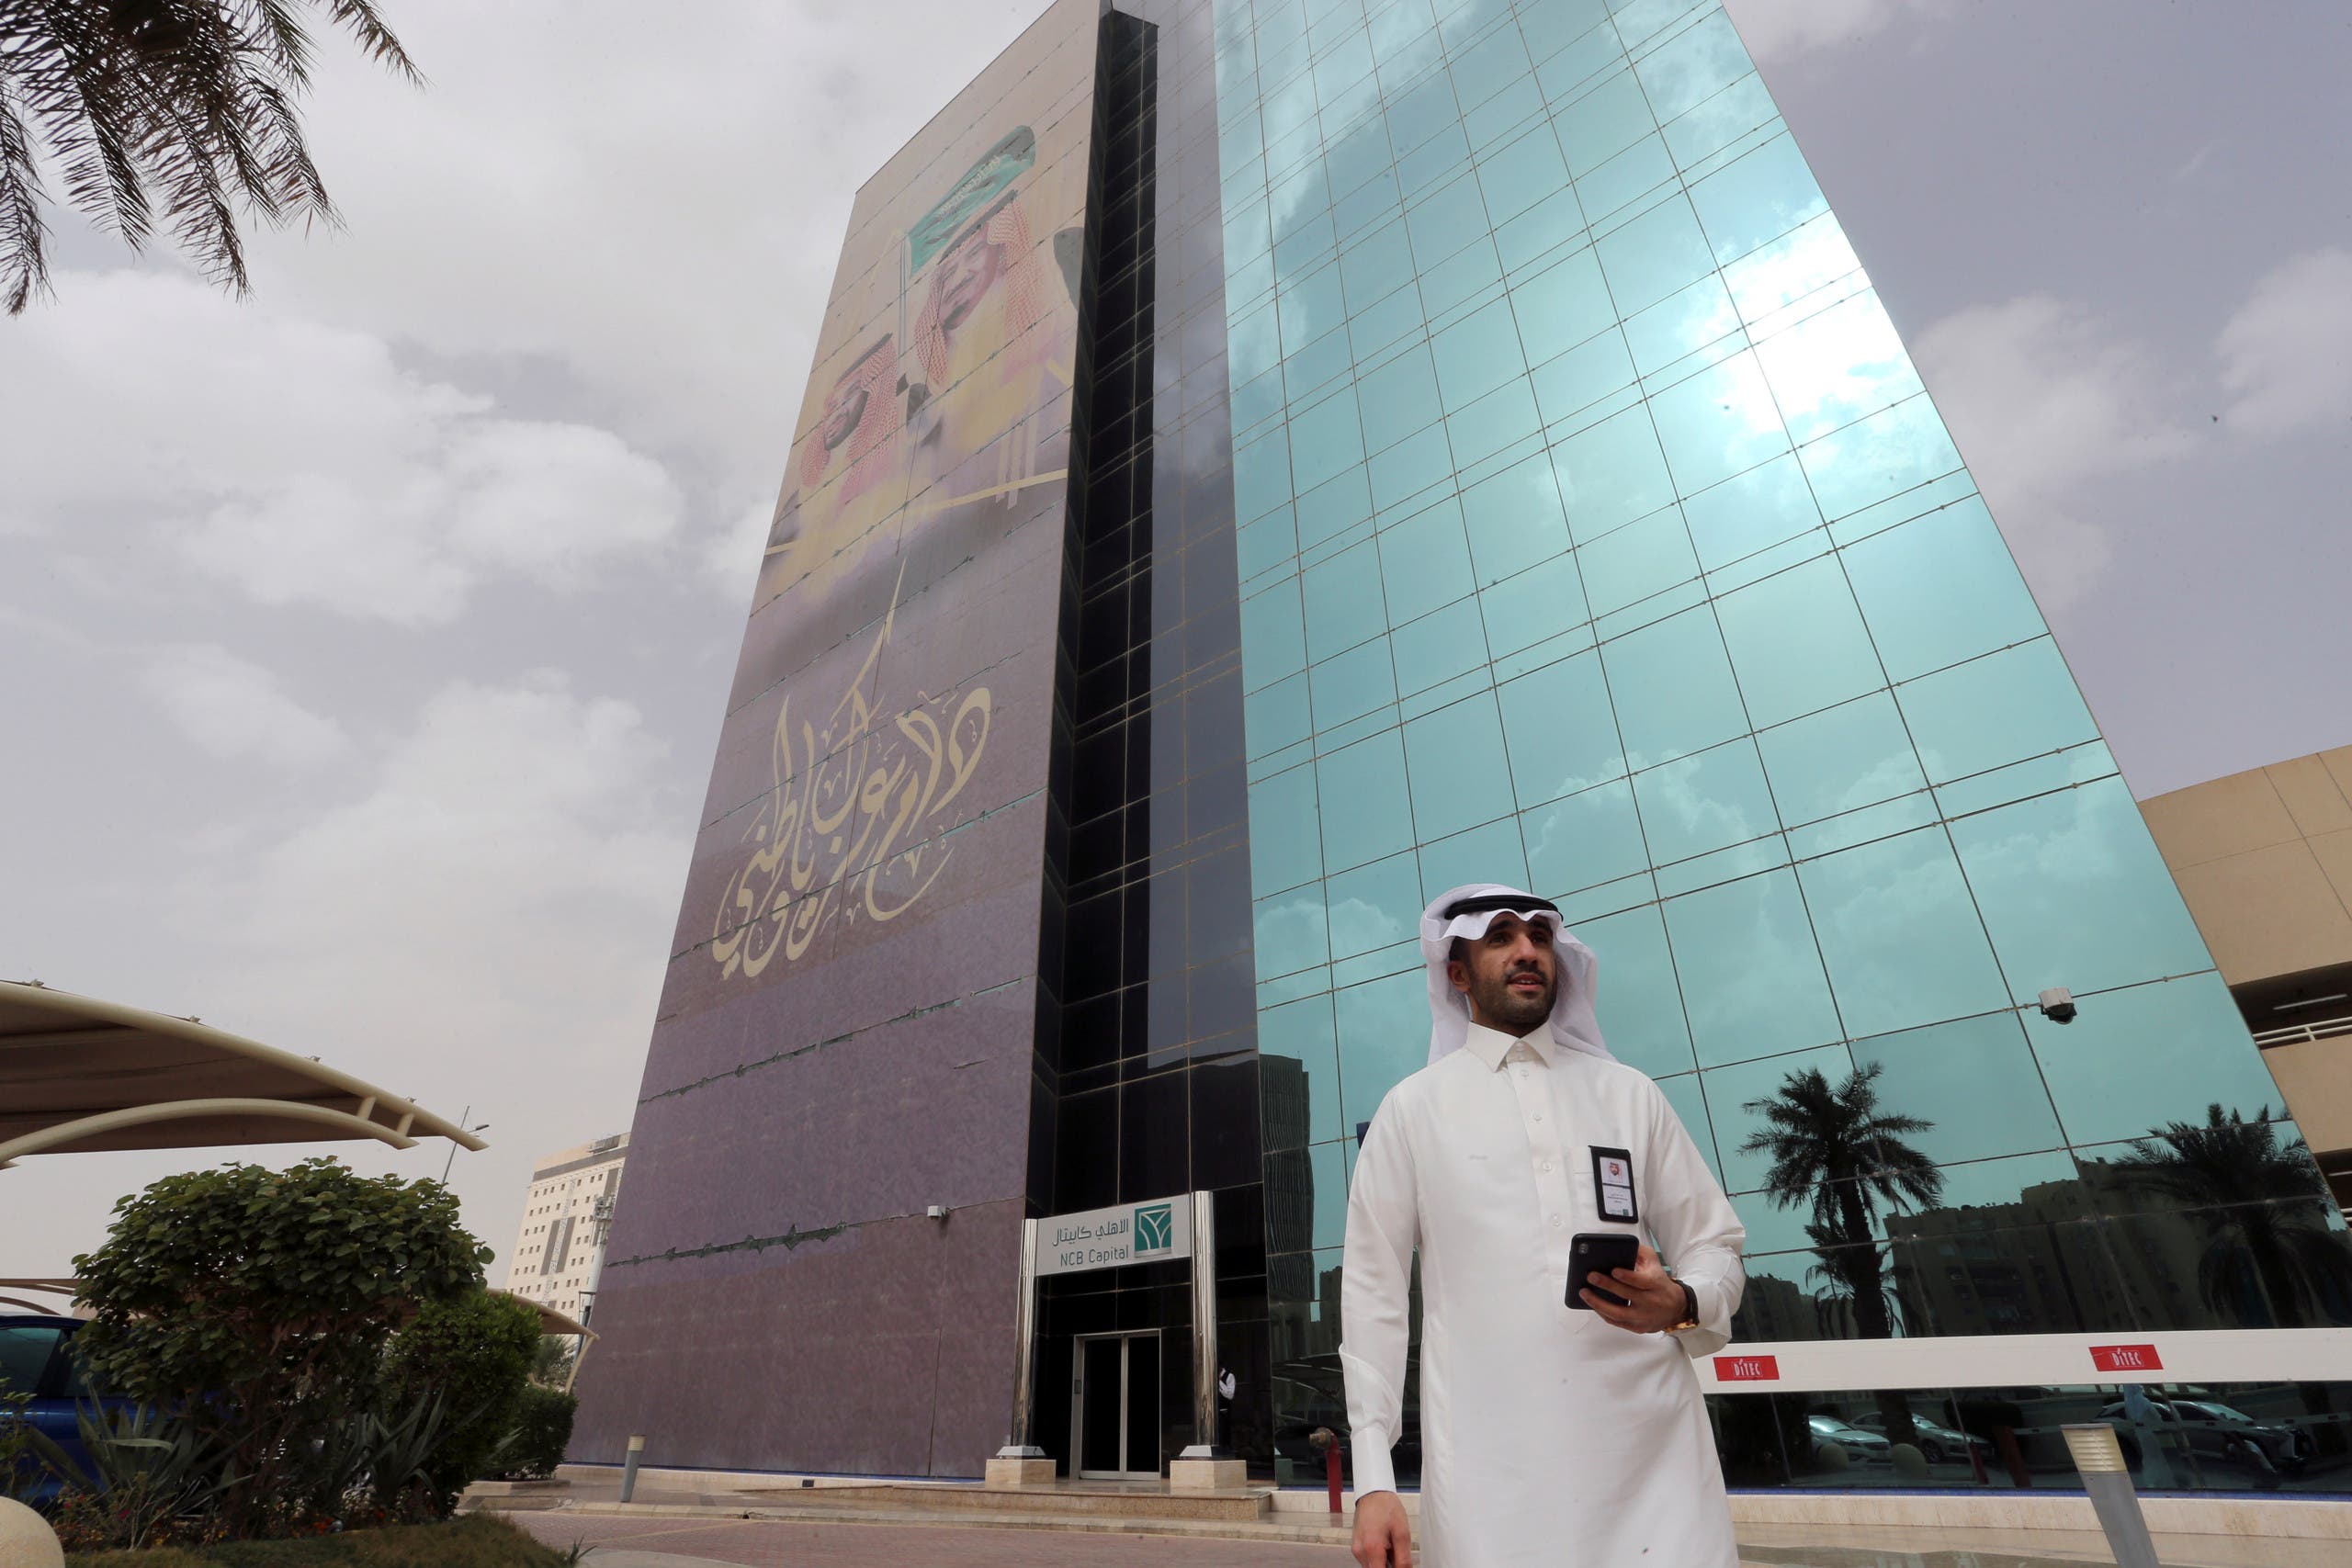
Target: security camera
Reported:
point(2058, 1005)
point(939, 1210)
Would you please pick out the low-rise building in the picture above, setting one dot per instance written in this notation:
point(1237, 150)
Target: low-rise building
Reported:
point(560, 1251)
point(2265, 859)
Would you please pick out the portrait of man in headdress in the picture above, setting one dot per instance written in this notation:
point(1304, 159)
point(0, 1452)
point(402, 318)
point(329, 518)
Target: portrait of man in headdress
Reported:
point(845, 481)
point(936, 419)
point(987, 289)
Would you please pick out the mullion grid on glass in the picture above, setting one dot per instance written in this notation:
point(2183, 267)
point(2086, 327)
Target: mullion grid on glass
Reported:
point(1765, 314)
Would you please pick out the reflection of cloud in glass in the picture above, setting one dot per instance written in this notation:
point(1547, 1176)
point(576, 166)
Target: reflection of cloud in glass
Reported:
point(1903, 941)
point(1359, 927)
point(1691, 320)
point(1814, 253)
point(2074, 892)
point(1890, 452)
point(1890, 777)
point(1752, 981)
point(1693, 805)
point(1584, 839)
point(1290, 933)
point(1688, 73)
point(1832, 368)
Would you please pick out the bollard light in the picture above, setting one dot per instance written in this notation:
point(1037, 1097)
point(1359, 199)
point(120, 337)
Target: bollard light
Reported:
point(2106, 1481)
point(2096, 1450)
point(628, 1467)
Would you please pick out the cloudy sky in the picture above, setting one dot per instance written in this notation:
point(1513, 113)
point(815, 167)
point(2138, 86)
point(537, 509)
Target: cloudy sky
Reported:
point(365, 642)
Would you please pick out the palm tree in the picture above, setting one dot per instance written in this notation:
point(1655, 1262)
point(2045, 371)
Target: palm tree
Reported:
point(2265, 1203)
point(1836, 1152)
point(551, 1363)
point(188, 104)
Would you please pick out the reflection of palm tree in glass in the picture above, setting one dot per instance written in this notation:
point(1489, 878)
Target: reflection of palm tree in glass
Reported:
point(1837, 1152)
point(2270, 1214)
point(1834, 1151)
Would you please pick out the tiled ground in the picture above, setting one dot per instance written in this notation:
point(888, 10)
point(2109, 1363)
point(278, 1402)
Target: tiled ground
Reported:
point(675, 1542)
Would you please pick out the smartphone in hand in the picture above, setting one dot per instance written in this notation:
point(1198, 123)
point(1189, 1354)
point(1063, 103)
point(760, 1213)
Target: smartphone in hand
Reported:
point(1592, 1253)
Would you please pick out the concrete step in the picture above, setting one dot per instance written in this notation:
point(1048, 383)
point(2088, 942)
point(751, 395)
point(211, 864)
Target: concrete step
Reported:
point(515, 1496)
point(1064, 1500)
point(1271, 1528)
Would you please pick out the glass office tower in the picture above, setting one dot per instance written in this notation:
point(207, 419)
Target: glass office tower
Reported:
point(1268, 461)
point(1597, 536)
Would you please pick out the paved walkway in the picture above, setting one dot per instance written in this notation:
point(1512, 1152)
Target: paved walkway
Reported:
point(673, 1542)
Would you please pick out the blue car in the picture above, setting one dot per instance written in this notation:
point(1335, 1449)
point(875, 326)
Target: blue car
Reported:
point(33, 1357)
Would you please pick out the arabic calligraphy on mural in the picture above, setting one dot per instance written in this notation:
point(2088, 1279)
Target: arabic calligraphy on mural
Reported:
point(843, 833)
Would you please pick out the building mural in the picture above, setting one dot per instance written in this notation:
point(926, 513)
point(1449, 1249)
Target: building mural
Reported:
point(856, 956)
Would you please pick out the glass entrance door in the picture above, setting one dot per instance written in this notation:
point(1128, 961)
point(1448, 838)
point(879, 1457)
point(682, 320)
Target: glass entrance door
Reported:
point(1114, 1406)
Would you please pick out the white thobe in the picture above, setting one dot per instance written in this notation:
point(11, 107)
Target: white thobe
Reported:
point(1549, 1435)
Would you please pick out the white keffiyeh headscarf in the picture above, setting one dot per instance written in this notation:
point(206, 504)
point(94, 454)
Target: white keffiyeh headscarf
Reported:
point(1574, 1025)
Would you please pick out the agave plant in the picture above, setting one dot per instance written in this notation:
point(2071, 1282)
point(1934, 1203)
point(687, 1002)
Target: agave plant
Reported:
point(398, 1456)
point(147, 1467)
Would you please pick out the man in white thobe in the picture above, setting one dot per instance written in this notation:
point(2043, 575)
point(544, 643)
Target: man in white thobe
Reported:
point(1550, 1435)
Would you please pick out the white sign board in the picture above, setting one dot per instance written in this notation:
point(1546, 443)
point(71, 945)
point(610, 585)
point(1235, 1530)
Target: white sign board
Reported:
point(1151, 1231)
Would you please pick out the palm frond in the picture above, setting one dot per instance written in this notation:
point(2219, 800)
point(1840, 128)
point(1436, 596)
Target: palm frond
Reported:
point(360, 19)
point(24, 267)
point(178, 113)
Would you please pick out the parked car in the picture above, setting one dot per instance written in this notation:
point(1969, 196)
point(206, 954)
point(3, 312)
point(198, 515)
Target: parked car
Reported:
point(2216, 1431)
point(34, 1358)
point(1937, 1443)
point(1868, 1447)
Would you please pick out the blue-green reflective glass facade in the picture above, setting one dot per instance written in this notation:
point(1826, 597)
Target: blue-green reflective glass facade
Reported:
point(1597, 533)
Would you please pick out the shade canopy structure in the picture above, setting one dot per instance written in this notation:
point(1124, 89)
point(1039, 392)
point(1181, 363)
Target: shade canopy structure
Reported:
point(79, 1075)
point(56, 1296)
point(563, 1327)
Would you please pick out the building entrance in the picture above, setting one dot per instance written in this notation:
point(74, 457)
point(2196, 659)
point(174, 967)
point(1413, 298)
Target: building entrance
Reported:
point(1118, 1404)
point(1114, 1406)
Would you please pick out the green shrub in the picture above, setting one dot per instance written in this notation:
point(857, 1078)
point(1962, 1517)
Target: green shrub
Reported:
point(542, 1431)
point(476, 1352)
point(18, 1470)
point(261, 1302)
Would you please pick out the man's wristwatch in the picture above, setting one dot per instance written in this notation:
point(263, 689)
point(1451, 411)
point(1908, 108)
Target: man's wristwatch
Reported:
point(1689, 1311)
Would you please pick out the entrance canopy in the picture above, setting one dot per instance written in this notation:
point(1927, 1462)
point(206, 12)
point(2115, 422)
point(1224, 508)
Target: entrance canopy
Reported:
point(79, 1075)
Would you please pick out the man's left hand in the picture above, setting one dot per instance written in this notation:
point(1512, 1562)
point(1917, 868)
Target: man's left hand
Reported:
point(1654, 1297)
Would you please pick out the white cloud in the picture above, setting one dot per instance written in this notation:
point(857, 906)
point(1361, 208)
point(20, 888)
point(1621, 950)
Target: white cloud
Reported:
point(2287, 353)
point(732, 555)
point(652, 200)
point(480, 919)
point(232, 707)
point(2043, 397)
point(1779, 29)
point(487, 904)
point(300, 462)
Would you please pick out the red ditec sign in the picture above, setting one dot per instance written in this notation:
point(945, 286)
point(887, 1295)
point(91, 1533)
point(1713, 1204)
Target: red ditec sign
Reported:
point(2126, 1359)
point(1747, 1368)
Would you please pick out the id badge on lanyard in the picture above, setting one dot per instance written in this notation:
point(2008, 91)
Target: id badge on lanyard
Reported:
point(1612, 1182)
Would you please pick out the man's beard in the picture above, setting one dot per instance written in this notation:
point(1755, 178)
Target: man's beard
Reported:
point(849, 419)
point(1509, 1009)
